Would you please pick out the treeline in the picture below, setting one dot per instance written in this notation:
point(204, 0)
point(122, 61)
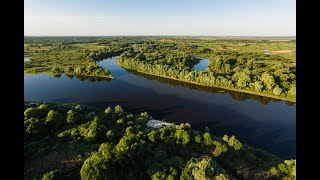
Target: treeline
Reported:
point(72, 141)
point(231, 70)
point(92, 70)
point(234, 94)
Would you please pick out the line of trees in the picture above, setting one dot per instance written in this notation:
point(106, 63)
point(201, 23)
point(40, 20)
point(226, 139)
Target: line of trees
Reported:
point(222, 72)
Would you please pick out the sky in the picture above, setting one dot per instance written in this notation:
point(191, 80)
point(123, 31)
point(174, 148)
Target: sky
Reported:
point(160, 17)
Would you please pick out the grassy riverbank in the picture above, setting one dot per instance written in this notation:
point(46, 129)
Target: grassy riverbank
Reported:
point(231, 89)
point(57, 74)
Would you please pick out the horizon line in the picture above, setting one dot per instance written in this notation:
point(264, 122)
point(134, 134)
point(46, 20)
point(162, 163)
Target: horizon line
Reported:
point(258, 36)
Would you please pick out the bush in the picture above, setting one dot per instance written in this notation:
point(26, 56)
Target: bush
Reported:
point(32, 112)
point(277, 91)
point(219, 149)
point(52, 175)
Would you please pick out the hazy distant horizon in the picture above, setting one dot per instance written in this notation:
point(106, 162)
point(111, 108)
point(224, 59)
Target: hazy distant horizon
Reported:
point(159, 18)
point(159, 36)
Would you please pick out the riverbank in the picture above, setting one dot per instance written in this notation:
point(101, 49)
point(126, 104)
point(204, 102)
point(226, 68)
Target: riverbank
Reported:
point(226, 88)
point(56, 74)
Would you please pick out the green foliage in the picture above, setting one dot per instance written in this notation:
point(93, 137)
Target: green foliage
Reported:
point(233, 142)
point(54, 118)
point(96, 130)
point(245, 69)
point(31, 112)
point(52, 175)
point(207, 140)
point(120, 121)
point(97, 167)
point(34, 126)
point(101, 149)
point(286, 170)
point(182, 136)
point(292, 91)
point(268, 80)
point(118, 110)
point(71, 116)
point(56, 70)
point(145, 114)
point(108, 110)
point(219, 149)
point(235, 64)
point(198, 139)
point(277, 91)
point(153, 136)
point(110, 135)
point(202, 168)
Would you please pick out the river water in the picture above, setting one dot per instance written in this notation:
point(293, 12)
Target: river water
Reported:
point(261, 122)
point(201, 65)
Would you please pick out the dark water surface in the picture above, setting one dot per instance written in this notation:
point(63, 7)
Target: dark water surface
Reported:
point(262, 122)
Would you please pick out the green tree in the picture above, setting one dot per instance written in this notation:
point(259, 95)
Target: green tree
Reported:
point(118, 110)
point(207, 140)
point(182, 136)
point(33, 126)
point(108, 110)
point(54, 118)
point(202, 168)
point(219, 149)
point(292, 92)
point(277, 91)
point(268, 80)
point(153, 136)
point(98, 167)
point(198, 139)
point(31, 112)
point(258, 86)
point(110, 135)
point(71, 116)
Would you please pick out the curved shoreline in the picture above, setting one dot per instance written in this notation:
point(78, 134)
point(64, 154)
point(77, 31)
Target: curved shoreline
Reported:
point(226, 88)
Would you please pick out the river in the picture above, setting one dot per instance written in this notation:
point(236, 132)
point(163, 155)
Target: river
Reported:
point(261, 122)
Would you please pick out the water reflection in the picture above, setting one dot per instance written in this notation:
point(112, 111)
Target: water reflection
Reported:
point(83, 78)
point(262, 122)
point(235, 95)
point(202, 64)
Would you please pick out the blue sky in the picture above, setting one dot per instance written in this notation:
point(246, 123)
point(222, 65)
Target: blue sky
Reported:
point(160, 17)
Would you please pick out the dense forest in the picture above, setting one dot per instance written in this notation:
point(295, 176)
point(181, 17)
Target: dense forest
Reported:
point(256, 66)
point(262, 73)
point(73, 141)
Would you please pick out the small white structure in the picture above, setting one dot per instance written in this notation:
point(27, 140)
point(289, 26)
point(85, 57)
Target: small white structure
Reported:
point(157, 124)
point(267, 52)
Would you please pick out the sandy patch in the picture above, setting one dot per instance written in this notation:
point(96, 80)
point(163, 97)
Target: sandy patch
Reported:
point(282, 52)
